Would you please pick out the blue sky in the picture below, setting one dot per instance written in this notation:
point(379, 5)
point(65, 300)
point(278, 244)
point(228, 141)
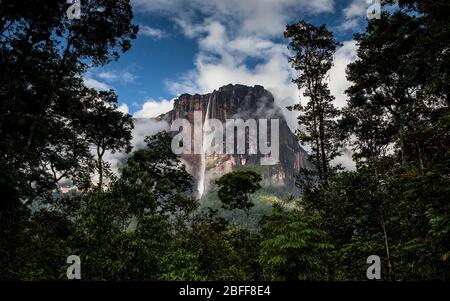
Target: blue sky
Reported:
point(199, 45)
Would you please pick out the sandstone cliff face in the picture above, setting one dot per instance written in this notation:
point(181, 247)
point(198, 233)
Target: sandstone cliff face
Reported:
point(239, 102)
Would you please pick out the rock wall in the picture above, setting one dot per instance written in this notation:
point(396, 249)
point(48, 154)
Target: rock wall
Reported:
point(240, 102)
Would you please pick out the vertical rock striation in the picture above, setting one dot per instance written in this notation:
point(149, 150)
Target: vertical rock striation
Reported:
point(240, 102)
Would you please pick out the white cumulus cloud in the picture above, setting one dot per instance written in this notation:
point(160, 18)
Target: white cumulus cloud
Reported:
point(337, 80)
point(95, 84)
point(108, 76)
point(123, 108)
point(153, 108)
point(151, 32)
point(267, 17)
point(113, 76)
point(241, 42)
point(357, 8)
point(354, 14)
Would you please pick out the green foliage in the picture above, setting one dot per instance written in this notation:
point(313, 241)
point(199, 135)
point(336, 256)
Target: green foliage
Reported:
point(263, 200)
point(155, 180)
point(294, 247)
point(235, 187)
point(44, 103)
point(107, 129)
point(180, 266)
point(144, 225)
point(224, 252)
point(313, 57)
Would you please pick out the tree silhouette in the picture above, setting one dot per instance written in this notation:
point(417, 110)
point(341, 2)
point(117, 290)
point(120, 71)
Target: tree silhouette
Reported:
point(235, 187)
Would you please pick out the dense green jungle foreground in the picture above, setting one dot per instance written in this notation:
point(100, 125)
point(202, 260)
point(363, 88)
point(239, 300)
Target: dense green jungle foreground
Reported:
point(144, 224)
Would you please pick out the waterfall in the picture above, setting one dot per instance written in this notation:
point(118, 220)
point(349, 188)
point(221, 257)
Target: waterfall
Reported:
point(202, 169)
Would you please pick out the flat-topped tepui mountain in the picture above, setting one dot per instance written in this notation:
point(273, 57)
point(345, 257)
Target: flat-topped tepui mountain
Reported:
point(239, 102)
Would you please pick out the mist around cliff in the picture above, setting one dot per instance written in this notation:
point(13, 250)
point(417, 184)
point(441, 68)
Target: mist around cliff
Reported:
point(143, 127)
point(141, 212)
